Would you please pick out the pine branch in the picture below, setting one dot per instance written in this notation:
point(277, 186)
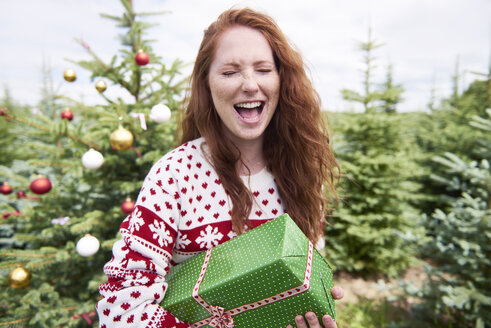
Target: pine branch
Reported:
point(109, 70)
point(156, 13)
point(27, 255)
point(10, 323)
point(51, 163)
point(10, 117)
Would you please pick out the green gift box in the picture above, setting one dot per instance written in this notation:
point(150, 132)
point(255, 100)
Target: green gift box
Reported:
point(262, 278)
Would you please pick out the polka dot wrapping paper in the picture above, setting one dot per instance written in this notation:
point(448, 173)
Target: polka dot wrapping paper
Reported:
point(262, 278)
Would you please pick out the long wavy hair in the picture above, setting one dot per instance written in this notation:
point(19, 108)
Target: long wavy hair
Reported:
point(296, 144)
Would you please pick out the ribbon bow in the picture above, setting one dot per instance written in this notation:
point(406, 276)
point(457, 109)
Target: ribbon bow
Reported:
point(220, 318)
point(140, 116)
point(3, 112)
point(86, 316)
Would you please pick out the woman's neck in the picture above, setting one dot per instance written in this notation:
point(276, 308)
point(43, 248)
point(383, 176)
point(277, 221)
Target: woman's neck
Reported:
point(252, 158)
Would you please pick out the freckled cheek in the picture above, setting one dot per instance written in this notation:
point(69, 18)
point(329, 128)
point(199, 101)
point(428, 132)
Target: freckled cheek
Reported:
point(221, 92)
point(273, 86)
point(274, 92)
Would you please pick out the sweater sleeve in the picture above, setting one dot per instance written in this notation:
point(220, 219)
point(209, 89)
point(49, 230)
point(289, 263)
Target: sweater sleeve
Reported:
point(141, 259)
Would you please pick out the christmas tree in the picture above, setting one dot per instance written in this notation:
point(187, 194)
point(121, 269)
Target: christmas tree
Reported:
point(459, 245)
point(65, 200)
point(373, 228)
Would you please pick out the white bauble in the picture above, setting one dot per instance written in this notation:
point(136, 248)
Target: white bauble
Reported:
point(88, 245)
point(92, 159)
point(160, 113)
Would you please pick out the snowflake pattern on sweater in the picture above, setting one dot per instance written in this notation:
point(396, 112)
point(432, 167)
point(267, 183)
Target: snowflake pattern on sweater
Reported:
point(182, 210)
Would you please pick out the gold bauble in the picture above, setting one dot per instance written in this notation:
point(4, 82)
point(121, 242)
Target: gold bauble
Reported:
point(121, 139)
point(101, 86)
point(19, 277)
point(70, 75)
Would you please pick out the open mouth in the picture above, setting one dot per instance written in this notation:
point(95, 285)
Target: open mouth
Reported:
point(250, 111)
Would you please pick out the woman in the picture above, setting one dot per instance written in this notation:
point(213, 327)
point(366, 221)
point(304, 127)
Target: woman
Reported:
point(253, 147)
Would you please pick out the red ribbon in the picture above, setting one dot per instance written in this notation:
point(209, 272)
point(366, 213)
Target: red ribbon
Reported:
point(224, 319)
point(220, 318)
point(7, 214)
point(3, 112)
point(137, 151)
point(86, 316)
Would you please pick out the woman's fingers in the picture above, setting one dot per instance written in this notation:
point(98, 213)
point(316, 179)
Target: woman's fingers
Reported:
point(300, 322)
point(337, 292)
point(312, 320)
point(329, 322)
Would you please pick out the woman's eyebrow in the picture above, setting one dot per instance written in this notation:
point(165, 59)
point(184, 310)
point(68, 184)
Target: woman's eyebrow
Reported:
point(256, 63)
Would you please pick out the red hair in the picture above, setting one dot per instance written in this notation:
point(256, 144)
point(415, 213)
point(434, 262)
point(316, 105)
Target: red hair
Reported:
point(296, 144)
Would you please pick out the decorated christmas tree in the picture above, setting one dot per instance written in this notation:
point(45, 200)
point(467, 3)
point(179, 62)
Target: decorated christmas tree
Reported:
point(64, 204)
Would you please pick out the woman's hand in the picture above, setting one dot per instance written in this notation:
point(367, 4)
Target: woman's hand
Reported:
point(327, 321)
point(313, 322)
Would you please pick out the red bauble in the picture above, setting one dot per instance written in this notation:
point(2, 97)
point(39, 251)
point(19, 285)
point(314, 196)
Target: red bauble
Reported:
point(128, 206)
point(21, 194)
point(67, 114)
point(142, 58)
point(41, 185)
point(6, 189)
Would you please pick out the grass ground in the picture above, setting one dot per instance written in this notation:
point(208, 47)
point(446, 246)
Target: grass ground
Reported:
point(368, 303)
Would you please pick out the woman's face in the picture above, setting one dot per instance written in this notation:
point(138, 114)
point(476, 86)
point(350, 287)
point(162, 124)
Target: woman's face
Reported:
point(244, 83)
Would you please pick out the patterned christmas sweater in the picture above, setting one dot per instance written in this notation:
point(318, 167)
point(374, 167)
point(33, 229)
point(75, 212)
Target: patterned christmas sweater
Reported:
point(182, 210)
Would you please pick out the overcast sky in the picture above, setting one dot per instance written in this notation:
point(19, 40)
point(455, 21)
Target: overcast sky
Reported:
point(422, 38)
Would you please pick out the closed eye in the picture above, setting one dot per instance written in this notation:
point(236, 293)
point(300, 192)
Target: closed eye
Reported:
point(228, 73)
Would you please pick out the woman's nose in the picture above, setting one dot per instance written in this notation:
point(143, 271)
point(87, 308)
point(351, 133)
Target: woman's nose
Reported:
point(249, 83)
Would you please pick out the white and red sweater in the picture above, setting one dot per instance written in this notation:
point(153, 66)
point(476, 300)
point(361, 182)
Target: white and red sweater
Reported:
point(182, 210)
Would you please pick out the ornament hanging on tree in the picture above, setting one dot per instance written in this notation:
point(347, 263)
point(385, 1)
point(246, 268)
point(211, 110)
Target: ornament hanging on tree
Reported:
point(7, 214)
point(121, 139)
point(6, 189)
point(41, 185)
point(87, 245)
point(160, 113)
point(142, 58)
point(61, 221)
point(101, 86)
point(92, 159)
point(69, 75)
point(19, 277)
point(127, 206)
point(23, 195)
point(67, 114)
